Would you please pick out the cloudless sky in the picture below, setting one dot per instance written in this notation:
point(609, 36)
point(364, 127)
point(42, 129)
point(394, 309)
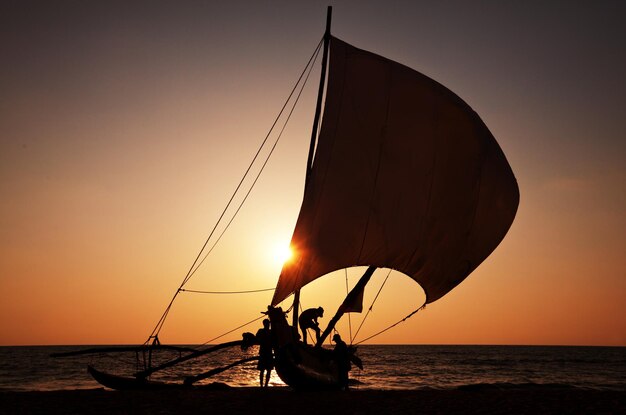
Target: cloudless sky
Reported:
point(125, 127)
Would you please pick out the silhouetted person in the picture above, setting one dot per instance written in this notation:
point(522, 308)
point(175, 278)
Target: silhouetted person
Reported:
point(308, 320)
point(342, 358)
point(266, 359)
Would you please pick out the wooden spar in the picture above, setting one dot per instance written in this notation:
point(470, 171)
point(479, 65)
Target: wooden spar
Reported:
point(296, 304)
point(316, 120)
point(320, 93)
point(150, 370)
point(349, 299)
point(120, 349)
point(189, 380)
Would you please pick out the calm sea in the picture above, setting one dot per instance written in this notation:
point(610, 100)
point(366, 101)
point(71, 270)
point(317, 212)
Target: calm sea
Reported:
point(385, 367)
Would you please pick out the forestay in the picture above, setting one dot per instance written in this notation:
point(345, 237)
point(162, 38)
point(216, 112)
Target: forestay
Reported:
point(405, 176)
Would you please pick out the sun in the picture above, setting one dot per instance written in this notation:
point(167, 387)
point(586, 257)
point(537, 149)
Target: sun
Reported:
point(282, 254)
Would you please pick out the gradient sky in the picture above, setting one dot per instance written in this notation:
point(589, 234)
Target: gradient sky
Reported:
point(124, 128)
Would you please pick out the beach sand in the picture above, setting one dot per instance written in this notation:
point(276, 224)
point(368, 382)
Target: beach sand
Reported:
point(285, 401)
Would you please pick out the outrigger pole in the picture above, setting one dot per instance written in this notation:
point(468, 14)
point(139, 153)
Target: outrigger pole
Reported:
point(150, 370)
point(190, 380)
point(316, 119)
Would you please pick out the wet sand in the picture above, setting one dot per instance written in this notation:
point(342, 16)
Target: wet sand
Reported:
point(285, 401)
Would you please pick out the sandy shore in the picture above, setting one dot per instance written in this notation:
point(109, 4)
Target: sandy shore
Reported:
point(285, 401)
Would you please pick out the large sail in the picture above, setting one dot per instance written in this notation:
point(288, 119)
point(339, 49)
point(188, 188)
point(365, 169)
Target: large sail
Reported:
point(405, 176)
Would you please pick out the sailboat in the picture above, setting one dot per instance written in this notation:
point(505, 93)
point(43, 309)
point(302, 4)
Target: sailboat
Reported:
point(401, 175)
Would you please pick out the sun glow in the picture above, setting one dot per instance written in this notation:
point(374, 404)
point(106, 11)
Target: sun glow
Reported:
point(282, 254)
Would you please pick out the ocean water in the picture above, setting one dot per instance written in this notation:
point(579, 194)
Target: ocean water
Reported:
point(385, 367)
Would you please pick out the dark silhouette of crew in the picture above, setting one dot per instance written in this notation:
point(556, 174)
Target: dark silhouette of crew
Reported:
point(266, 359)
point(342, 358)
point(308, 320)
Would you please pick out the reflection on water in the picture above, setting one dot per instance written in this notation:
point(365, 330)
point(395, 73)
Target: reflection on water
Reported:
point(385, 367)
point(32, 368)
point(410, 367)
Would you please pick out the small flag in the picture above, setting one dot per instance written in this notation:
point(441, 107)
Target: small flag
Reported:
point(354, 302)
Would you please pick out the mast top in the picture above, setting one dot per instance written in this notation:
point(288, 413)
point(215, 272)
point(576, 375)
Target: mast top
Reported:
point(329, 16)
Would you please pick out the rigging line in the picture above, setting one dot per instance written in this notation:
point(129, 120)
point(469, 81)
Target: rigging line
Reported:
point(260, 171)
point(295, 87)
point(161, 321)
point(393, 325)
point(371, 307)
point(226, 292)
point(228, 332)
point(289, 309)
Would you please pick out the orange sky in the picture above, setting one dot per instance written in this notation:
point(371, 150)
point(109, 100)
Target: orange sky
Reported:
point(124, 130)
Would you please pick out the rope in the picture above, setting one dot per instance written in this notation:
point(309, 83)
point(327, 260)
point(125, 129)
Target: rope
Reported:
point(371, 307)
point(262, 168)
point(289, 309)
point(191, 270)
point(226, 292)
point(393, 325)
point(236, 328)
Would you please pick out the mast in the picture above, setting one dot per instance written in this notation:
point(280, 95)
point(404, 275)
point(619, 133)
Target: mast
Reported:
point(316, 119)
point(320, 93)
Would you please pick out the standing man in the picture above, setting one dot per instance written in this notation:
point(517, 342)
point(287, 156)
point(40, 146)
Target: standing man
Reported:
point(342, 358)
point(266, 359)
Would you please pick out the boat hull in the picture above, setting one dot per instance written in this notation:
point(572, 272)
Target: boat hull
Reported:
point(306, 367)
point(299, 365)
